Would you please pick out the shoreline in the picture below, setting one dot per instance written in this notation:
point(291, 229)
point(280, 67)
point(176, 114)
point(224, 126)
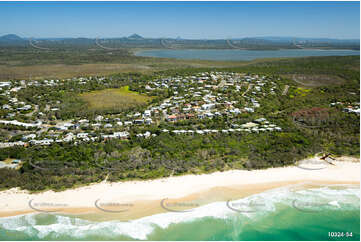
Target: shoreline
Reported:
point(135, 199)
point(135, 52)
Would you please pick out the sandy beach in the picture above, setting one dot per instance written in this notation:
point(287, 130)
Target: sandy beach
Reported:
point(112, 199)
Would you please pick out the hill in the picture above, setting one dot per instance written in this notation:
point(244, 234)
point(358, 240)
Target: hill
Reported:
point(135, 36)
point(10, 37)
point(137, 41)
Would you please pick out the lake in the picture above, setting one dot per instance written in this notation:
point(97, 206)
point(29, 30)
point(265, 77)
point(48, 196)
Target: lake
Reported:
point(241, 55)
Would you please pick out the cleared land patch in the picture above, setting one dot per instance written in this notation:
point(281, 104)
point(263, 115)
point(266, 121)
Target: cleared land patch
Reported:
point(313, 80)
point(114, 99)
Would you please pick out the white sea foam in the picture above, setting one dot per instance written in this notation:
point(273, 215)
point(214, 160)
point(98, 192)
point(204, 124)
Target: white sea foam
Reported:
point(267, 202)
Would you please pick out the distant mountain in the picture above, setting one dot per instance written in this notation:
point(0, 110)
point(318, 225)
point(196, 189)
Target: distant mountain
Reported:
point(10, 37)
point(136, 37)
point(12, 40)
point(137, 41)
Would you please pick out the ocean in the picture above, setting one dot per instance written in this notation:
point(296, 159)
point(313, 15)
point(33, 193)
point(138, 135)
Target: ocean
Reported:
point(330, 212)
point(241, 55)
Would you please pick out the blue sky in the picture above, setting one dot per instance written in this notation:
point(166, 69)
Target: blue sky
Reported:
point(185, 19)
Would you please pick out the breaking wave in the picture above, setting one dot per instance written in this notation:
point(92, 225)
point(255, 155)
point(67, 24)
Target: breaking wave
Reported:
point(41, 226)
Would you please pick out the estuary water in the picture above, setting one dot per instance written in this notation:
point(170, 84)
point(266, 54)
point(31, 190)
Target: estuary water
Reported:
point(241, 55)
point(286, 213)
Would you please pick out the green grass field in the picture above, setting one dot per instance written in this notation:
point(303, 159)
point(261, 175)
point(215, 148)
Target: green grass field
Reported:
point(114, 98)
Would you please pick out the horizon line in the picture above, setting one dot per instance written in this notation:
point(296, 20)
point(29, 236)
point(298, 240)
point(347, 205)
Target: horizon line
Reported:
point(234, 38)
